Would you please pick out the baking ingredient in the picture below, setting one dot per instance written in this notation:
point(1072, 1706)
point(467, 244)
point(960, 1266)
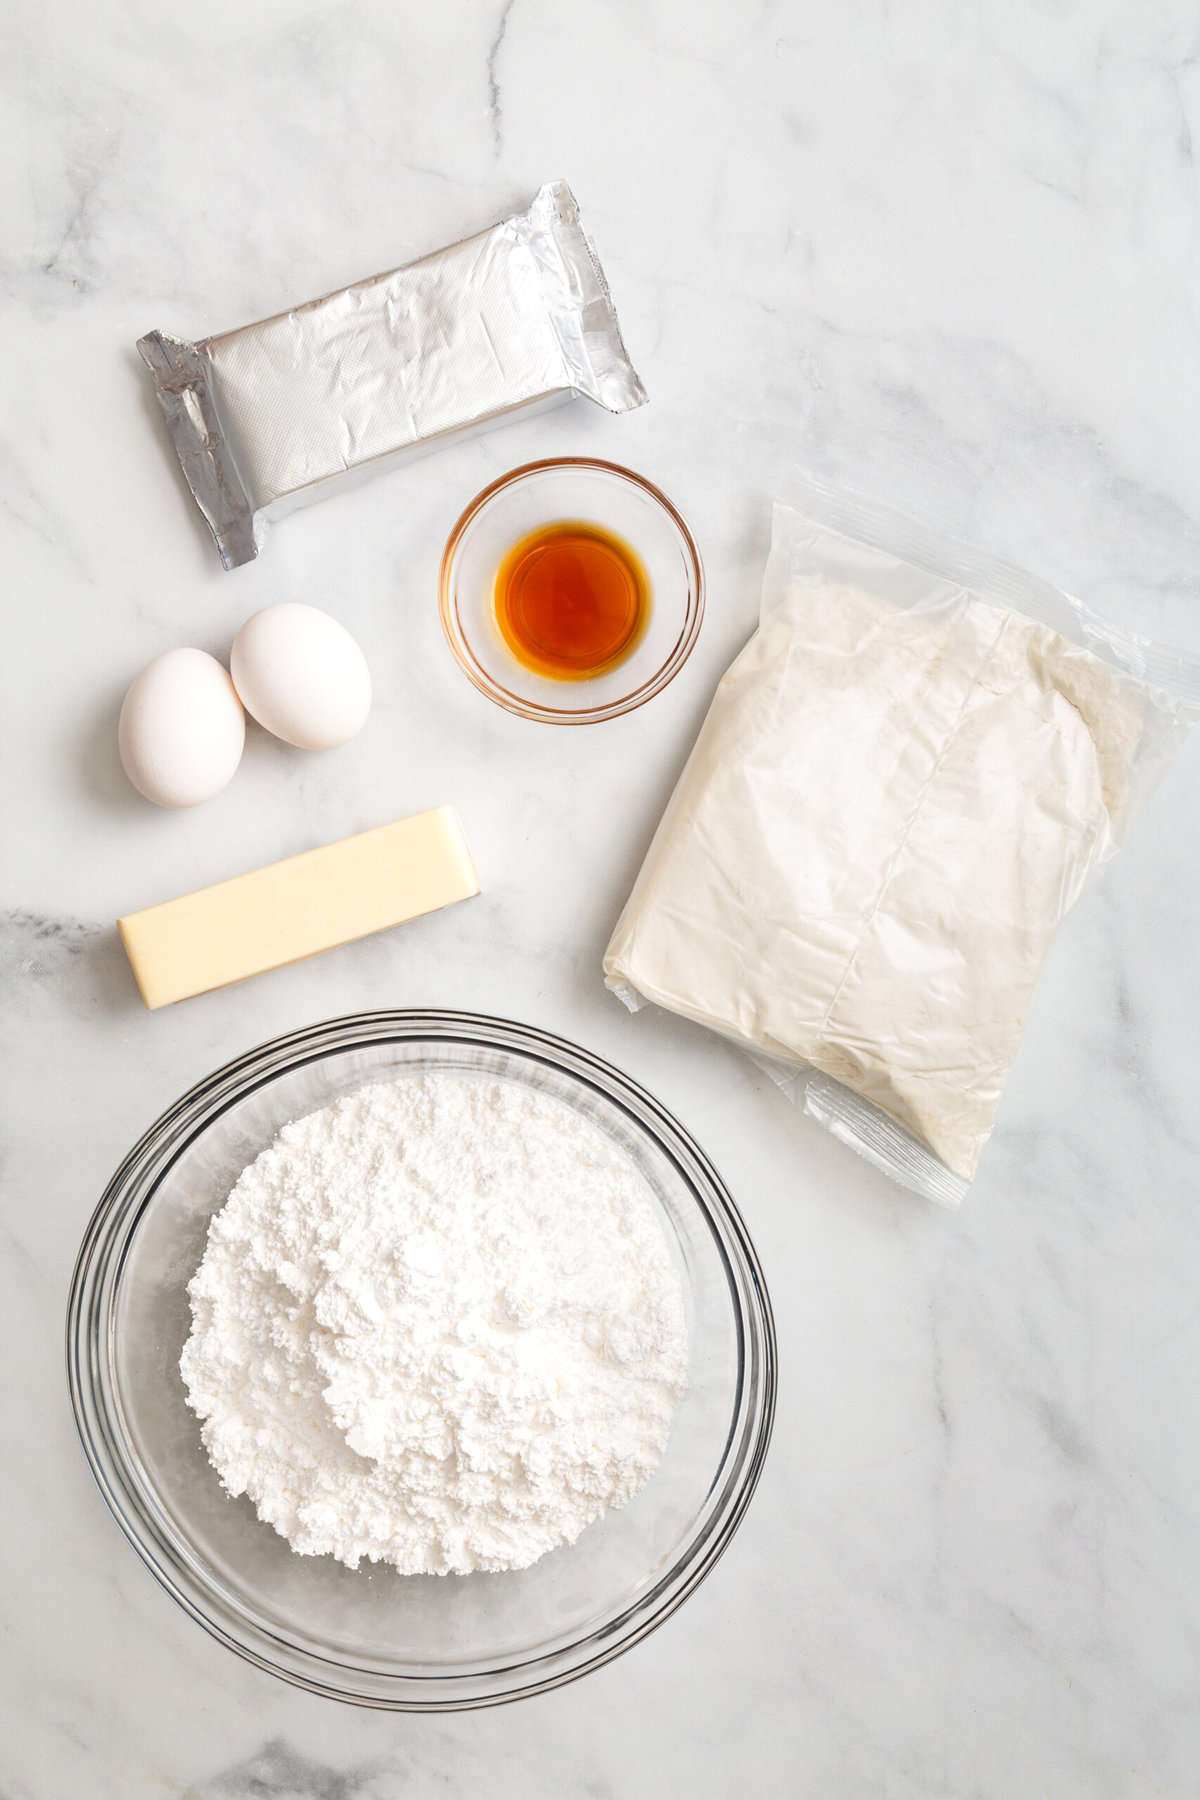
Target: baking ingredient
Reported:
point(302, 676)
point(299, 907)
point(181, 730)
point(436, 1325)
point(572, 600)
point(901, 787)
point(275, 414)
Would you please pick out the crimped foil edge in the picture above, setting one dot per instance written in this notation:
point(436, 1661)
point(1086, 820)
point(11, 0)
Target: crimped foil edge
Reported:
point(183, 382)
point(579, 300)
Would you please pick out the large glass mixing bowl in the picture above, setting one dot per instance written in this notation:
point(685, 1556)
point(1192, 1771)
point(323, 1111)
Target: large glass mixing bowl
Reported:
point(372, 1636)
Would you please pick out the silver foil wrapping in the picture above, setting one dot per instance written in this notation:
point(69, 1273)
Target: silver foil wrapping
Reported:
point(279, 413)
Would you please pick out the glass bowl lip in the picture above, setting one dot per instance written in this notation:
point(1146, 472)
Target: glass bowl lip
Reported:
point(474, 670)
point(114, 1465)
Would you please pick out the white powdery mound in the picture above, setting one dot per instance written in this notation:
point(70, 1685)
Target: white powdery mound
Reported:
point(437, 1324)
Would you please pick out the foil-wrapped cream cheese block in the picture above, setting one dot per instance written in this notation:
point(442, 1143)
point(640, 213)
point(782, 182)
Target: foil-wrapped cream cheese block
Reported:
point(276, 414)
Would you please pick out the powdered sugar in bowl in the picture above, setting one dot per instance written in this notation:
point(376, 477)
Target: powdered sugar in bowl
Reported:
point(416, 1642)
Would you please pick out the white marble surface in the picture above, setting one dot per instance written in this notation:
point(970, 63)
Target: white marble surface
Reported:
point(947, 254)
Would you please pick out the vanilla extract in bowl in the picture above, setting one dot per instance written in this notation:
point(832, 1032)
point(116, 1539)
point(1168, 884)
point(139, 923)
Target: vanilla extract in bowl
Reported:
point(572, 600)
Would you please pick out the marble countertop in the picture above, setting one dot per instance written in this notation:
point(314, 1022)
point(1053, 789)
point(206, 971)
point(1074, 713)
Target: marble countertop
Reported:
point(946, 255)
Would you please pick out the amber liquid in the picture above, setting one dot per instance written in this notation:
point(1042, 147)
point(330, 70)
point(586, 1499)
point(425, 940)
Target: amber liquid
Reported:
point(572, 600)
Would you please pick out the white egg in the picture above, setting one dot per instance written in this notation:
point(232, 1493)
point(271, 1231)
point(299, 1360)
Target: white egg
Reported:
point(182, 729)
point(301, 675)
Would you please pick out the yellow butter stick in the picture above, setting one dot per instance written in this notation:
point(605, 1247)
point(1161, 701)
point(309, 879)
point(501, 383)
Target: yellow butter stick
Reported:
point(299, 907)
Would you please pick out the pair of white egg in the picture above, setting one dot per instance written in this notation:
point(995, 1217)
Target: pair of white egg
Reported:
point(293, 668)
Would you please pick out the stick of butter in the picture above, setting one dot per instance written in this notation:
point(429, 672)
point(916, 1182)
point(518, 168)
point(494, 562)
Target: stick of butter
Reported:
point(299, 907)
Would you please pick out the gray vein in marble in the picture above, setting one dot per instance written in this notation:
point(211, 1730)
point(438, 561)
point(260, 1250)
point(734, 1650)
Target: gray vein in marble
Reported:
point(75, 232)
point(430, 174)
point(26, 505)
point(495, 107)
point(939, 1379)
point(277, 1772)
point(1062, 1430)
point(42, 955)
point(34, 944)
point(1184, 140)
point(281, 1772)
point(71, 263)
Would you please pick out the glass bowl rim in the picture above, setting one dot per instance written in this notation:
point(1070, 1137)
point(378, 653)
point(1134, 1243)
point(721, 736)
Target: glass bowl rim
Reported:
point(460, 644)
point(90, 1330)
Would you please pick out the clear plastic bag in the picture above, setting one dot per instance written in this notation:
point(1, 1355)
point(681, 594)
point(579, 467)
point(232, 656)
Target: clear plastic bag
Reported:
point(904, 783)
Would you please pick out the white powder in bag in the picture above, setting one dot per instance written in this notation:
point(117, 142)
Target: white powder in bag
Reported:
point(899, 791)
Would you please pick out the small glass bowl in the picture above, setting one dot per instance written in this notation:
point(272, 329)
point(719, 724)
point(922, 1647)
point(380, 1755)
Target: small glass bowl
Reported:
point(542, 493)
point(415, 1643)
